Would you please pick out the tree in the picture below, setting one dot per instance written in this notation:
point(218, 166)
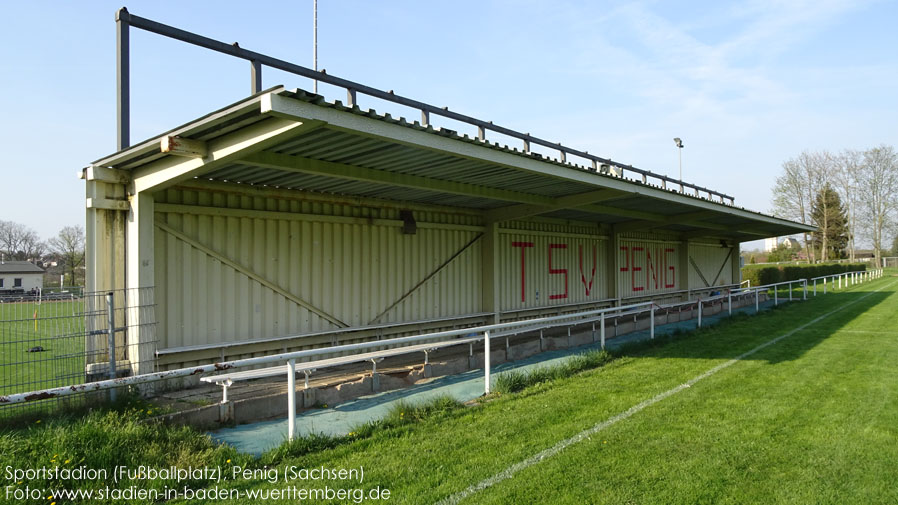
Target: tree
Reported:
point(828, 214)
point(849, 164)
point(878, 185)
point(895, 246)
point(69, 246)
point(796, 189)
point(19, 242)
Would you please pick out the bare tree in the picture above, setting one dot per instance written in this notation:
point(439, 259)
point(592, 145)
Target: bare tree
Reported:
point(796, 189)
point(849, 164)
point(877, 190)
point(69, 245)
point(19, 242)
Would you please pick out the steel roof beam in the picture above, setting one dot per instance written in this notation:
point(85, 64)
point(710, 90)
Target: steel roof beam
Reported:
point(171, 170)
point(345, 171)
point(521, 211)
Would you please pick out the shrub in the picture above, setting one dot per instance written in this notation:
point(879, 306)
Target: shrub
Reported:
point(761, 275)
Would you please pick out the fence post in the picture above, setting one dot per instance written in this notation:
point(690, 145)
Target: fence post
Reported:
point(291, 398)
point(729, 303)
point(652, 320)
point(776, 298)
point(699, 312)
point(486, 362)
point(815, 287)
point(602, 330)
point(110, 341)
point(757, 297)
point(805, 296)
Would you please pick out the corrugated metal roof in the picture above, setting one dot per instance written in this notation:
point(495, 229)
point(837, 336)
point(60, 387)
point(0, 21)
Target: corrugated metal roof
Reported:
point(386, 160)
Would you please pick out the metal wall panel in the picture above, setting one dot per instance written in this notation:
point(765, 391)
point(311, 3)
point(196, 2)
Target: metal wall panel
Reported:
point(551, 268)
point(647, 267)
point(710, 265)
point(224, 273)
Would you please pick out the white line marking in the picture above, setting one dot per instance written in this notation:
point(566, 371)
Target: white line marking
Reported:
point(555, 449)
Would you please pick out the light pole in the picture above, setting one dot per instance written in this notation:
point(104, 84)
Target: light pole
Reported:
point(679, 142)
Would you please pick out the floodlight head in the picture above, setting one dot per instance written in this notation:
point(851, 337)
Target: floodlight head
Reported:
point(678, 142)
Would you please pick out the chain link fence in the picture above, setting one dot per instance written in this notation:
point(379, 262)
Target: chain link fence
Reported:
point(54, 339)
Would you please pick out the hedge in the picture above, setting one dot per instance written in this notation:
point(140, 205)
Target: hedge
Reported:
point(770, 274)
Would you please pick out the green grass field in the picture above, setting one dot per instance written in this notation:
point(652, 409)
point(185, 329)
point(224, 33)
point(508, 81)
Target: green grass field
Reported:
point(809, 418)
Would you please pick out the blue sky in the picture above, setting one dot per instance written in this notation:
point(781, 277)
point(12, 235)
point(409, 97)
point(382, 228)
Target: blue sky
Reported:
point(746, 85)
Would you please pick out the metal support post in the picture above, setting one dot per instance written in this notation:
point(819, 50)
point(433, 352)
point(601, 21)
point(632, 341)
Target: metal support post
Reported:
point(757, 298)
point(602, 330)
point(776, 298)
point(122, 78)
point(291, 398)
point(486, 362)
point(255, 76)
point(729, 303)
point(815, 287)
point(805, 295)
point(790, 291)
point(110, 340)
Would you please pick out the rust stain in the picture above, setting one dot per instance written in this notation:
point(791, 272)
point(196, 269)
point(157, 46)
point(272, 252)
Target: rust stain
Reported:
point(220, 366)
point(39, 396)
point(4, 399)
point(198, 370)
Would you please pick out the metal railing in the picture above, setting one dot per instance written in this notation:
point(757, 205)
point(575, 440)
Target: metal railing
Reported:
point(124, 20)
point(848, 278)
point(485, 333)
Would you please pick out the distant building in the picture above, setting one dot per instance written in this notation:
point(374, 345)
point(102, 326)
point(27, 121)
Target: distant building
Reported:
point(770, 244)
point(20, 276)
point(791, 243)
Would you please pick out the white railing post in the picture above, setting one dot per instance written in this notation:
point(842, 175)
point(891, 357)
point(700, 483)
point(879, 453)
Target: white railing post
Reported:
point(815, 287)
point(652, 321)
point(602, 330)
point(805, 295)
point(291, 398)
point(486, 362)
point(729, 303)
point(824, 285)
point(790, 291)
point(776, 298)
point(840, 281)
point(757, 298)
point(699, 312)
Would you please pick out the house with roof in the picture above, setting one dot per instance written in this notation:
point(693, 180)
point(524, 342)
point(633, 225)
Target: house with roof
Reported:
point(20, 276)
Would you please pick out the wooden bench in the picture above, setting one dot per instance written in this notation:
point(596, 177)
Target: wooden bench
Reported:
point(307, 367)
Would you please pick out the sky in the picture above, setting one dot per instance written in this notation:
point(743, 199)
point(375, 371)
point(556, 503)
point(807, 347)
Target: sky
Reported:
point(746, 85)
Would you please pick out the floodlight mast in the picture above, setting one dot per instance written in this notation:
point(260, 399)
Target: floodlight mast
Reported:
point(679, 142)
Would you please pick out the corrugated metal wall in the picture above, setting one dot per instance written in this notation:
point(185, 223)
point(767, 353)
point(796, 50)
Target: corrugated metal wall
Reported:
point(231, 267)
point(710, 265)
point(540, 269)
point(647, 267)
